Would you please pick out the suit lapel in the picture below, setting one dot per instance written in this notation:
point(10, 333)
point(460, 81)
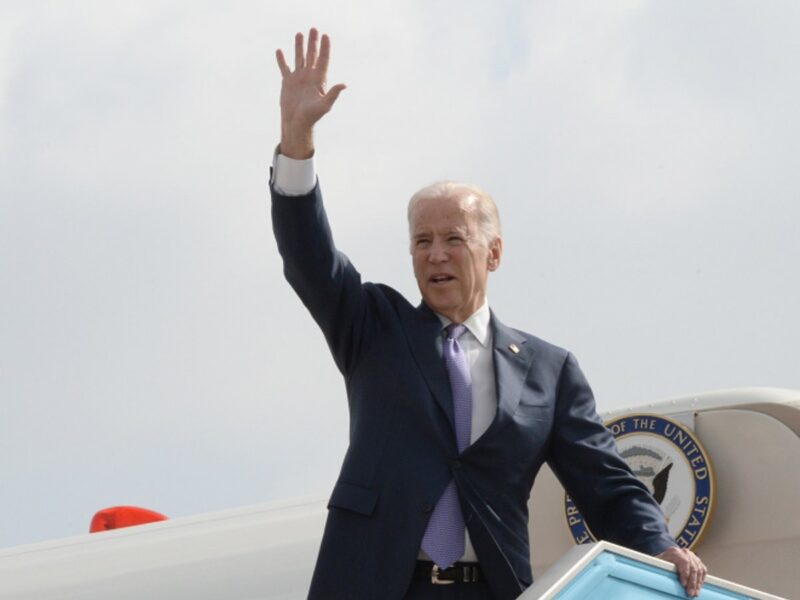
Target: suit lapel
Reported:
point(424, 332)
point(512, 360)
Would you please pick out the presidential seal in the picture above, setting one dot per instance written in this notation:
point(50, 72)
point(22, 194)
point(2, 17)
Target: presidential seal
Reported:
point(674, 466)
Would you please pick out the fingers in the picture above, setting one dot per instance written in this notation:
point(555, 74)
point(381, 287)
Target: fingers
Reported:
point(333, 94)
point(282, 63)
point(311, 55)
point(324, 54)
point(299, 55)
point(307, 57)
point(692, 572)
point(697, 574)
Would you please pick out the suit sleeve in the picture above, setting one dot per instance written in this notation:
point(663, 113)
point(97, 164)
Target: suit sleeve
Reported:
point(616, 505)
point(323, 278)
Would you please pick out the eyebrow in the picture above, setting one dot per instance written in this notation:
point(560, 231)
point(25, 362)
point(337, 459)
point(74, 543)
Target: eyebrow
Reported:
point(457, 230)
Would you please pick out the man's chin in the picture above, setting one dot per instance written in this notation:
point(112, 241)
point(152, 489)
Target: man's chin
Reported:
point(439, 307)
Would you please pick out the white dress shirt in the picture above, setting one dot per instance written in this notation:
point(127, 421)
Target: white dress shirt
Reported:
point(298, 177)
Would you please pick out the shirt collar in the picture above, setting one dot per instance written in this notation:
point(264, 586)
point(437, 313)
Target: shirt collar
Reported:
point(477, 324)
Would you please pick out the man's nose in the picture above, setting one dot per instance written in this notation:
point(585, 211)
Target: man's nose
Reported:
point(438, 253)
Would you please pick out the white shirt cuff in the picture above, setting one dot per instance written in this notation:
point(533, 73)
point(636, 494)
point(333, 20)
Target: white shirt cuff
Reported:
point(292, 177)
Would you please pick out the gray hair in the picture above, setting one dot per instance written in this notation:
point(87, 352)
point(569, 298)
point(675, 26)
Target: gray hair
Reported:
point(484, 207)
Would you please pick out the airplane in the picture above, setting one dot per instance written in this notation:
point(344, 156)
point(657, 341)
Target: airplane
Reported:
point(723, 463)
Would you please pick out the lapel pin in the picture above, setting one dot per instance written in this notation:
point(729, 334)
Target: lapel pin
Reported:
point(514, 349)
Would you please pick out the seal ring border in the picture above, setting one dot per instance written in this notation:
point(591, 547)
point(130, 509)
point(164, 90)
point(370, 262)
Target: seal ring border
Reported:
point(711, 473)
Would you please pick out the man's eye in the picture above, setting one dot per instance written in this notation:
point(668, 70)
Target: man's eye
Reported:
point(455, 239)
point(422, 243)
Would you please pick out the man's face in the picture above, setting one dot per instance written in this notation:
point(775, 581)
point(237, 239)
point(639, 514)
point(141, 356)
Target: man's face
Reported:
point(451, 257)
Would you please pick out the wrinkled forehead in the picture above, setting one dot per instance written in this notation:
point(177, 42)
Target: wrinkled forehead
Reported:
point(458, 206)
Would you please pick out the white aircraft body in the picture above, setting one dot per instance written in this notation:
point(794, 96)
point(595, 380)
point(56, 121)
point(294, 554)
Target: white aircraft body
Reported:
point(752, 437)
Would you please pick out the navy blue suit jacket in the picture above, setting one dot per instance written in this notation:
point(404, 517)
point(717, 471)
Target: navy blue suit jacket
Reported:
point(402, 447)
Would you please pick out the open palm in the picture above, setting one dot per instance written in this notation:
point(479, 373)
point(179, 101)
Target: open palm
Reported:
point(304, 98)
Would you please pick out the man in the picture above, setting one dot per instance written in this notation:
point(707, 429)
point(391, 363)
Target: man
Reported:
point(451, 412)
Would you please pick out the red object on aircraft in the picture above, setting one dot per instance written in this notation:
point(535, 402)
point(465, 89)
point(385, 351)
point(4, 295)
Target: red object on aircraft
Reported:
point(123, 516)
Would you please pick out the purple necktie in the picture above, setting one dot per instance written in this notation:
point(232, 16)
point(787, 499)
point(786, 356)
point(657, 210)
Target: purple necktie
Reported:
point(444, 538)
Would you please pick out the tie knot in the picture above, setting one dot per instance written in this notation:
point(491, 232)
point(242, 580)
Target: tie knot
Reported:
point(454, 331)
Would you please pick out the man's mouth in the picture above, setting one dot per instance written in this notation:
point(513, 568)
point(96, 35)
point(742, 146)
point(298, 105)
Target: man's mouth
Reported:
point(441, 278)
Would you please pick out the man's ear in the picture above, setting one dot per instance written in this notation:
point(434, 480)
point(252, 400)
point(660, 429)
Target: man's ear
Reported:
point(495, 253)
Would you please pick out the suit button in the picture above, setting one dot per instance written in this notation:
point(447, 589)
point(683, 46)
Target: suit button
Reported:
point(427, 508)
point(455, 463)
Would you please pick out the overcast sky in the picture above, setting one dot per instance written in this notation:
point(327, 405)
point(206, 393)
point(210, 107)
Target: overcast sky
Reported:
point(645, 157)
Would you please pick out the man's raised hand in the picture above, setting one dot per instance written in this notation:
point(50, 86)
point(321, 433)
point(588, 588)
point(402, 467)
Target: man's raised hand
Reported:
point(304, 99)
